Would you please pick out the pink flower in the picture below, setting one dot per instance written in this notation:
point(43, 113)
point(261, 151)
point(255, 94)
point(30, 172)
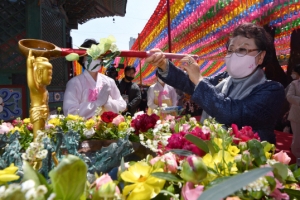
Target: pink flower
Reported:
point(186, 127)
point(5, 127)
point(190, 192)
point(118, 119)
point(277, 194)
point(282, 157)
point(105, 178)
point(233, 198)
point(170, 118)
point(169, 159)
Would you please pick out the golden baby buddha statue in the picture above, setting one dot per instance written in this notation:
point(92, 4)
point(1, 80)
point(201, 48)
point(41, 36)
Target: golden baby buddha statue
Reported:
point(39, 75)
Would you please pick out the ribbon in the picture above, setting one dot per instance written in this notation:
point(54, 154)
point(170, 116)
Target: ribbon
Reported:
point(93, 94)
point(161, 93)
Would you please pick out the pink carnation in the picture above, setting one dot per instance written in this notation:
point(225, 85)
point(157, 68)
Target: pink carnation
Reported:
point(190, 192)
point(282, 157)
point(118, 119)
point(105, 178)
point(5, 127)
point(169, 159)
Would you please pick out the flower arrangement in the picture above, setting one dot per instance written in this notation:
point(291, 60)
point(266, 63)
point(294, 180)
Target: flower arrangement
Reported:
point(106, 50)
point(192, 162)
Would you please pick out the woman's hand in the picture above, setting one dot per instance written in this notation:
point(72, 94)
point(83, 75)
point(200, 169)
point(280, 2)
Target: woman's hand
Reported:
point(191, 67)
point(157, 59)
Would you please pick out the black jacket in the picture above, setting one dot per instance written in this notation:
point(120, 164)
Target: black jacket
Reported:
point(134, 95)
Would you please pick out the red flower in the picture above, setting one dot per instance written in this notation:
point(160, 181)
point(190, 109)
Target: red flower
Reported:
point(144, 122)
point(108, 117)
point(243, 135)
point(178, 141)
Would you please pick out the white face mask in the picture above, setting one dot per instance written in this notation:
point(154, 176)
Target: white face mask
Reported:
point(94, 66)
point(240, 67)
point(294, 76)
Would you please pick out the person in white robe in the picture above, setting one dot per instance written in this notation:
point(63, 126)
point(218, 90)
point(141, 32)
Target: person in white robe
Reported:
point(91, 90)
point(161, 93)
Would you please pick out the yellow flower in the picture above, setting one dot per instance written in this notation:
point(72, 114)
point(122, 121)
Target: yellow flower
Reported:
point(74, 117)
point(233, 150)
point(110, 125)
point(268, 155)
point(122, 126)
point(26, 120)
point(89, 123)
point(16, 129)
point(219, 160)
point(8, 174)
point(218, 142)
point(144, 185)
point(54, 121)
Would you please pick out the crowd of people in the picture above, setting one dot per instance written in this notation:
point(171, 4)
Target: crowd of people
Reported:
point(241, 95)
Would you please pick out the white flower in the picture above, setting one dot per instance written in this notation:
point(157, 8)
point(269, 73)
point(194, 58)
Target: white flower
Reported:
point(41, 190)
point(42, 154)
point(141, 136)
point(89, 132)
point(31, 194)
point(137, 114)
point(52, 196)
point(27, 185)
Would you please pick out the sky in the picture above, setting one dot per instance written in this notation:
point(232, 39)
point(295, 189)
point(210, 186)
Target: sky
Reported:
point(138, 12)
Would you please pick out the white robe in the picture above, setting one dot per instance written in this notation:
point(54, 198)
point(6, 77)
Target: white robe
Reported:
point(76, 97)
point(171, 95)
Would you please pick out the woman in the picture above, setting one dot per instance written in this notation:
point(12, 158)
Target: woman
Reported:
point(91, 90)
point(293, 97)
point(242, 95)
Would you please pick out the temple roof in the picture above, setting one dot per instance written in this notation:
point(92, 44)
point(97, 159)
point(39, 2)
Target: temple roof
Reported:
point(81, 11)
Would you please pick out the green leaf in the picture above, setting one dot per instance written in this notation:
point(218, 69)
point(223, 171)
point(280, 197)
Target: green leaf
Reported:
point(294, 194)
point(30, 174)
point(181, 152)
point(257, 151)
point(166, 176)
point(176, 128)
point(211, 147)
point(69, 178)
point(280, 171)
point(297, 174)
point(44, 182)
point(198, 142)
point(233, 184)
point(272, 182)
point(123, 168)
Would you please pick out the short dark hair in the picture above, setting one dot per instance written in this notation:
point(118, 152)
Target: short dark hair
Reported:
point(86, 44)
point(297, 69)
point(262, 38)
point(128, 68)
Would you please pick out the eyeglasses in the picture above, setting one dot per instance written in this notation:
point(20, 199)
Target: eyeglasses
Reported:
point(240, 52)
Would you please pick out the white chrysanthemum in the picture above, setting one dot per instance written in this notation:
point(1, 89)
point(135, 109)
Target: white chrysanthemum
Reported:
point(89, 132)
point(31, 194)
point(41, 190)
point(27, 185)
